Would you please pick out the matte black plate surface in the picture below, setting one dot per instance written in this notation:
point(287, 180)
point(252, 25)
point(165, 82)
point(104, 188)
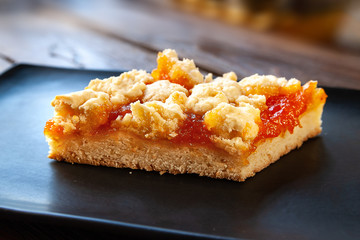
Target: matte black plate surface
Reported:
point(311, 193)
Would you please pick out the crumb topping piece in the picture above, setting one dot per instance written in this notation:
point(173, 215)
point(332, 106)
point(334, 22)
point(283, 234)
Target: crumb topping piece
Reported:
point(161, 90)
point(125, 88)
point(153, 119)
point(183, 72)
point(82, 100)
point(80, 110)
point(177, 102)
point(269, 85)
point(229, 121)
point(206, 96)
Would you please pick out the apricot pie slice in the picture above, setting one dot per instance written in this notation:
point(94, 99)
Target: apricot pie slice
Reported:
point(176, 120)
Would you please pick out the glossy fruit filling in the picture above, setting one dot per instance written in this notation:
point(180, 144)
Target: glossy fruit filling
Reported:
point(284, 111)
point(193, 131)
point(282, 114)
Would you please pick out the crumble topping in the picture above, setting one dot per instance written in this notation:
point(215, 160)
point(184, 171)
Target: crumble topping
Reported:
point(178, 98)
point(76, 110)
point(183, 72)
point(153, 119)
point(229, 86)
point(269, 85)
point(85, 99)
point(160, 102)
point(161, 90)
point(234, 127)
point(229, 121)
point(257, 101)
point(125, 88)
point(206, 96)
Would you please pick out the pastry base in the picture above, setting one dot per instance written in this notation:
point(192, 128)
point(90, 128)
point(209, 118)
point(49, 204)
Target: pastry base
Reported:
point(125, 150)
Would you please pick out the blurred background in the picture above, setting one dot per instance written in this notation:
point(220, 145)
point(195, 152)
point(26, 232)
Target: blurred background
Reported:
point(292, 38)
point(327, 22)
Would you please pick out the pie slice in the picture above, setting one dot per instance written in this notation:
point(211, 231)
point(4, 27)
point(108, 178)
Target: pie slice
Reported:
point(176, 120)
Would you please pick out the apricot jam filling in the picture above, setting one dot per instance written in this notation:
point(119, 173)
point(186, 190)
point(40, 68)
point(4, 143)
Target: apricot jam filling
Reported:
point(283, 111)
point(193, 131)
point(282, 114)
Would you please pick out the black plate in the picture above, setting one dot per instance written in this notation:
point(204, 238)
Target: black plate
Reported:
point(311, 193)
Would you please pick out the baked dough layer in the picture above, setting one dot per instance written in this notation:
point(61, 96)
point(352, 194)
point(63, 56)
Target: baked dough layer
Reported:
point(122, 149)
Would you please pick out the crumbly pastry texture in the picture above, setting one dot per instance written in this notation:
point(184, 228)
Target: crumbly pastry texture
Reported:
point(139, 120)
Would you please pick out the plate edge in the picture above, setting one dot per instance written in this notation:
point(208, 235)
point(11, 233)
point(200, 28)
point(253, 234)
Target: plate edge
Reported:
point(8, 212)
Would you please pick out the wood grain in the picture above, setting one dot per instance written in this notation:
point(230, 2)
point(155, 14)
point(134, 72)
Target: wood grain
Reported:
point(127, 34)
point(59, 43)
point(216, 48)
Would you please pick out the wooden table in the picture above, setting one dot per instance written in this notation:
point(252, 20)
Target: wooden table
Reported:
point(125, 35)
point(118, 35)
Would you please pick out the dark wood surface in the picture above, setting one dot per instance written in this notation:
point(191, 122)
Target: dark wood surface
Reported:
point(115, 35)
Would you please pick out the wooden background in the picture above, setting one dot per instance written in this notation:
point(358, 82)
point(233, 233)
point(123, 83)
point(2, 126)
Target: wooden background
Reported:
point(116, 35)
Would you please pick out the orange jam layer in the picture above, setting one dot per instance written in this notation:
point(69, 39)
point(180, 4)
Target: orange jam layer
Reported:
point(177, 75)
point(282, 115)
point(284, 111)
point(112, 115)
point(193, 131)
